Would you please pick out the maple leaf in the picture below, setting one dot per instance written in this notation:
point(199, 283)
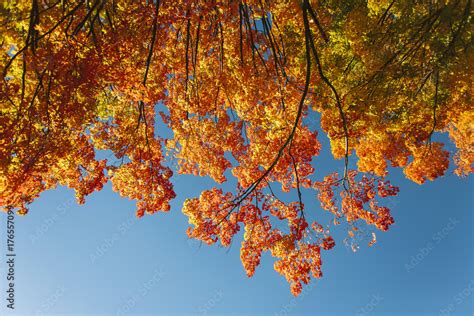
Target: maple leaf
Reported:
point(240, 85)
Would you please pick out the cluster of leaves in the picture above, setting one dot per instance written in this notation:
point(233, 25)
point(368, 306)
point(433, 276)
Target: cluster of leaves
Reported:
point(237, 82)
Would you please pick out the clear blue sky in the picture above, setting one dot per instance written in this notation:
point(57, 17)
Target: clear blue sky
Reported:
point(98, 259)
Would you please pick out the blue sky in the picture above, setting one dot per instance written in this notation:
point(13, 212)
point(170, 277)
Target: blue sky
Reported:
point(98, 259)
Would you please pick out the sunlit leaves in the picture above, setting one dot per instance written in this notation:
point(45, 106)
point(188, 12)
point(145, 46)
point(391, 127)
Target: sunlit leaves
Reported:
point(232, 91)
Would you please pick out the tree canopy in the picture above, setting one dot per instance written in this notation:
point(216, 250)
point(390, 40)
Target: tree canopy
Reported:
point(237, 83)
